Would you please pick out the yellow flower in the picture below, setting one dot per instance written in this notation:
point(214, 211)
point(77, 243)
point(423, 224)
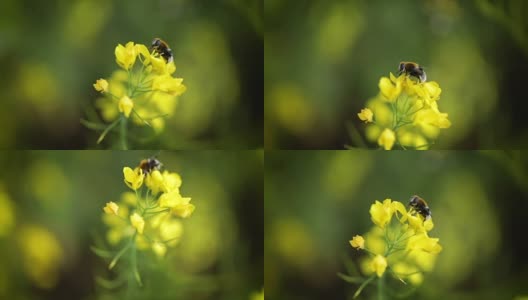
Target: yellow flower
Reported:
point(387, 139)
point(133, 178)
point(424, 243)
point(379, 264)
point(381, 213)
point(126, 55)
point(111, 208)
point(159, 249)
point(158, 65)
point(179, 206)
point(41, 255)
point(165, 182)
point(101, 85)
point(137, 222)
point(391, 88)
point(145, 53)
point(431, 117)
point(171, 230)
point(429, 91)
point(366, 115)
point(357, 242)
point(168, 84)
point(126, 105)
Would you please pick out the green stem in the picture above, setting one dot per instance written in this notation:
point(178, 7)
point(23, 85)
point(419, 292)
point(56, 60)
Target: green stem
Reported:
point(107, 130)
point(380, 287)
point(123, 132)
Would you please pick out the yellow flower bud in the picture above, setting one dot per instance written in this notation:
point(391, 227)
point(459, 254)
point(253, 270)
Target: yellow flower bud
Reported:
point(125, 106)
point(357, 242)
point(366, 115)
point(126, 55)
point(101, 85)
point(387, 139)
point(111, 208)
point(379, 264)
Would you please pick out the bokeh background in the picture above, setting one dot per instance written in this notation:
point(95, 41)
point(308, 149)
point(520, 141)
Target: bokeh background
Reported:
point(316, 201)
point(324, 59)
point(52, 52)
point(51, 213)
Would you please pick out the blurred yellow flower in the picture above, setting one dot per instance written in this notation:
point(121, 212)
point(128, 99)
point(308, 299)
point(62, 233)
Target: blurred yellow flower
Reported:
point(7, 213)
point(126, 55)
point(257, 296)
point(387, 139)
point(41, 255)
point(133, 178)
point(357, 242)
point(179, 205)
point(424, 243)
point(366, 115)
point(126, 105)
point(101, 85)
point(137, 222)
point(159, 249)
point(166, 182)
point(379, 264)
point(111, 208)
point(168, 84)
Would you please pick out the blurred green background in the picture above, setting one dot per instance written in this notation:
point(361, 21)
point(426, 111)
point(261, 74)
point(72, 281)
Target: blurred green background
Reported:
point(56, 197)
point(52, 52)
point(324, 59)
point(316, 201)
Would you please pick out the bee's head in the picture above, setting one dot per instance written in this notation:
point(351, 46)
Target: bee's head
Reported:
point(413, 201)
point(401, 67)
point(156, 43)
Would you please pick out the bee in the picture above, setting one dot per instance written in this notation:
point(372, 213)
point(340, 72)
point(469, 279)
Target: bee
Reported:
point(150, 164)
point(161, 47)
point(412, 69)
point(420, 206)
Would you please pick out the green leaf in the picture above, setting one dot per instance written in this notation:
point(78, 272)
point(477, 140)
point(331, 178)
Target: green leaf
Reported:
point(351, 279)
point(101, 252)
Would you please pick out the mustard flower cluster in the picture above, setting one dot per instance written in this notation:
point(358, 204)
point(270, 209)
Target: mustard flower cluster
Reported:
point(398, 244)
point(144, 93)
point(405, 113)
point(148, 218)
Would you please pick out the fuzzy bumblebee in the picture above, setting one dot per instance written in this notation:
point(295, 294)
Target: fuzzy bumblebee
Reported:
point(420, 206)
point(412, 69)
point(150, 164)
point(162, 48)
